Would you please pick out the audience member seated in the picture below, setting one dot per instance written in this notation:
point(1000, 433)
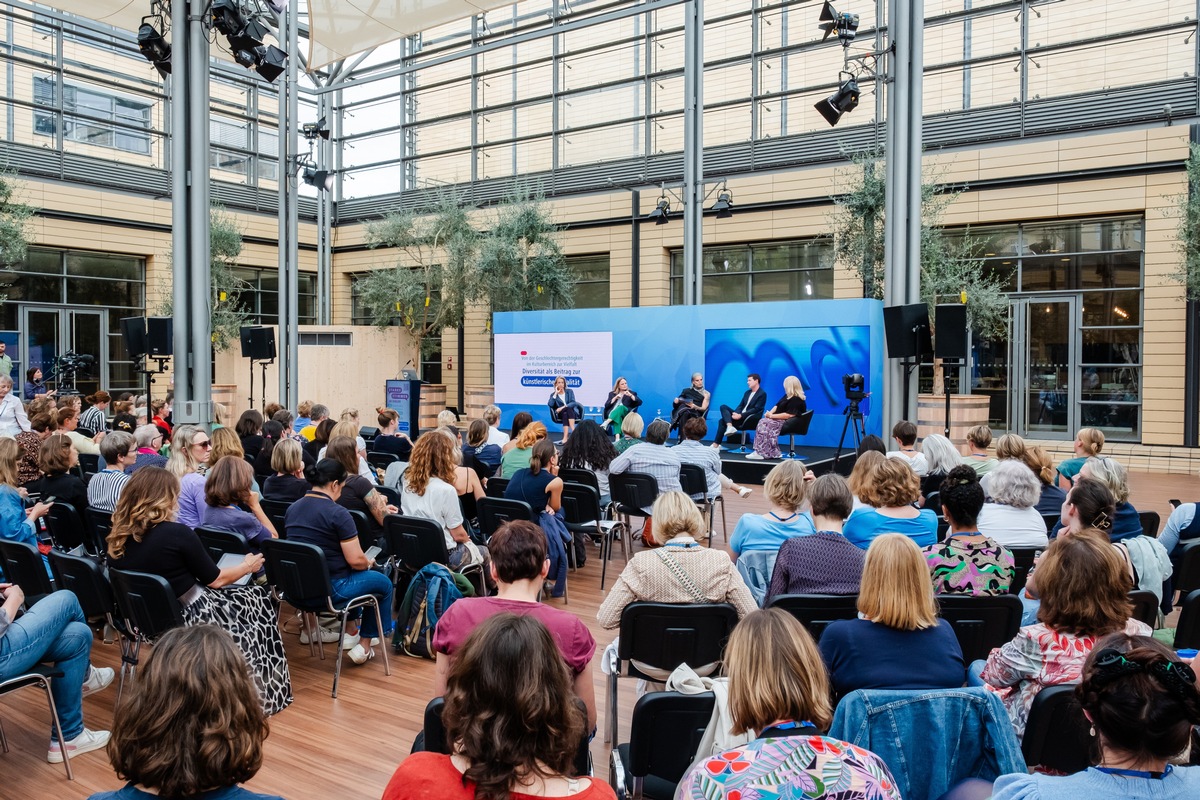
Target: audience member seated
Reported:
point(1142, 702)
point(511, 715)
point(1183, 526)
point(825, 562)
point(149, 440)
point(652, 575)
point(358, 493)
point(520, 566)
point(691, 451)
point(1125, 522)
point(160, 414)
point(631, 431)
point(621, 401)
point(1052, 496)
point(224, 443)
point(491, 415)
point(349, 429)
point(652, 457)
point(144, 539)
point(317, 414)
point(748, 410)
point(1088, 444)
point(520, 421)
point(94, 418)
point(779, 693)
point(16, 521)
point(193, 728)
point(390, 439)
point(904, 434)
point(785, 488)
point(303, 416)
point(898, 641)
point(862, 475)
point(766, 432)
point(539, 486)
point(317, 519)
point(287, 484)
point(57, 458)
point(892, 490)
point(871, 442)
point(68, 421)
point(227, 487)
point(564, 409)
point(467, 484)
point(1009, 447)
point(485, 457)
point(517, 457)
point(54, 631)
point(272, 434)
point(1011, 518)
point(968, 561)
point(190, 448)
point(322, 433)
point(43, 421)
point(249, 429)
point(589, 448)
point(979, 439)
point(1084, 590)
point(447, 419)
point(129, 423)
point(941, 456)
point(104, 489)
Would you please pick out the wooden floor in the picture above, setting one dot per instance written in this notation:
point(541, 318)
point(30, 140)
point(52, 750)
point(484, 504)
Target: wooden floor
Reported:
point(348, 747)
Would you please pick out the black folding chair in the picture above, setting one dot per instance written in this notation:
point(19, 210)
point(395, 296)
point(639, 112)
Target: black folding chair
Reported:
point(89, 463)
point(495, 511)
point(413, 542)
point(39, 676)
point(584, 476)
point(664, 734)
point(368, 536)
point(816, 611)
point(23, 565)
point(276, 511)
point(378, 460)
point(220, 542)
point(1023, 558)
point(101, 523)
point(148, 607)
point(1187, 632)
point(1056, 734)
point(793, 427)
point(981, 623)
point(694, 482)
point(582, 512)
point(1187, 574)
point(299, 571)
point(1150, 521)
point(495, 487)
point(67, 528)
point(662, 636)
point(390, 495)
point(631, 492)
point(1051, 520)
point(86, 578)
point(1145, 607)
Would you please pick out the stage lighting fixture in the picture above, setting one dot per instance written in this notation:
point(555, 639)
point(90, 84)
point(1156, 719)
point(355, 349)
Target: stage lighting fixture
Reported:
point(660, 212)
point(227, 17)
point(320, 179)
point(844, 100)
point(154, 47)
point(312, 130)
point(845, 25)
point(278, 6)
point(271, 63)
point(252, 35)
point(248, 56)
point(724, 205)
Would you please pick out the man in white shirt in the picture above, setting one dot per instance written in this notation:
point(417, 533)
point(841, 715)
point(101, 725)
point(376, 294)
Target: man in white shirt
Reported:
point(491, 415)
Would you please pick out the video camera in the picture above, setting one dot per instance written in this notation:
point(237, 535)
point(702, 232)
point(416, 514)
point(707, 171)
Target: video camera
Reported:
point(855, 386)
point(71, 361)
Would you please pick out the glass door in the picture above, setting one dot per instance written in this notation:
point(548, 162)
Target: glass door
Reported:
point(49, 334)
point(1045, 366)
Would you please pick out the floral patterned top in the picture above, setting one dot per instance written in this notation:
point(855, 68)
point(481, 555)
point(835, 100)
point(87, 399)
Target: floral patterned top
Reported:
point(959, 566)
point(1038, 657)
point(794, 767)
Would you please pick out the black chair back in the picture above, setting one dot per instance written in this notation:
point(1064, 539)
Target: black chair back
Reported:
point(1051, 520)
point(146, 602)
point(694, 481)
point(580, 505)
point(381, 461)
point(276, 511)
point(798, 425)
point(495, 511)
point(66, 527)
point(392, 496)
point(666, 730)
point(1023, 558)
point(584, 476)
point(1150, 521)
point(495, 487)
point(1145, 606)
point(89, 463)
point(101, 523)
point(933, 501)
point(249, 459)
point(1187, 574)
point(84, 576)
point(665, 635)
point(633, 491)
point(23, 565)
point(1056, 735)
point(368, 434)
point(299, 572)
point(1187, 633)
point(414, 541)
point(816, 611)
point(368, 537)
point(219, 542)
point(981, 623)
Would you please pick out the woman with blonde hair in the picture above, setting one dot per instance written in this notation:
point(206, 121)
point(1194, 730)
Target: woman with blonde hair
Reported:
point(860, 476)
point(288, 483)
point(779, 694)
point(349, 430)
point(766, 433)
point(144, 539)
point(1088, 444)
point(979, 439)
point(428, 492)
point(785, 489)
point(1126, 523)
point(1052, 496)
point(891, 490)
point(16, 521)
point(898, 641)
point(621, 400)
point(522, 450)
point(632, 426)
point(190, 449)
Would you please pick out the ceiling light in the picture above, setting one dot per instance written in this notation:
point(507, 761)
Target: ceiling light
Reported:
point(845, 25)
point(272, 63)
point(844, 100)
point(154, 47)
point(660, 212)
point(227, 17)
point(724, 205)
point(253, 34)
point(320, 179)
point(312, 130)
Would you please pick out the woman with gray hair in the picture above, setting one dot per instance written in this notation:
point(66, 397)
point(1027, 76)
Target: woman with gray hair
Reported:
point(1012, 519)
point(12, 410)
point(941, 456)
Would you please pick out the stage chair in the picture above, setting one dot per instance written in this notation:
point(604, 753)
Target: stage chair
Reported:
point(747, 428)
point(796, 426)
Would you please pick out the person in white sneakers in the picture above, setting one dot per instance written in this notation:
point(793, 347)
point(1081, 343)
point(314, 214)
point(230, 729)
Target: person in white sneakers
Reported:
point(56, 631)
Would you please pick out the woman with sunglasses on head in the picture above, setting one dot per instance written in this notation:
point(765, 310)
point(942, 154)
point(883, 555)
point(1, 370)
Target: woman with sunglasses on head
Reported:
point(190, 447)
point(1142, 702)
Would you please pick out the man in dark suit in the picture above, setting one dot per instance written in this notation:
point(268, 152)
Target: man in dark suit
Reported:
point(747, 413)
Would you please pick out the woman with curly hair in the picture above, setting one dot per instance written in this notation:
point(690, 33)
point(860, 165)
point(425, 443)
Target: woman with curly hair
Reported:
point(968, 561)
point(590, 448)
point(522, 449)
point(145, 539)
point(514, 719)
point(891, 490)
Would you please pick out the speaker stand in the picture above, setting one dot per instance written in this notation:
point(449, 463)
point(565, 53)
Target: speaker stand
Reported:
point(263, 396)
point(252, 384)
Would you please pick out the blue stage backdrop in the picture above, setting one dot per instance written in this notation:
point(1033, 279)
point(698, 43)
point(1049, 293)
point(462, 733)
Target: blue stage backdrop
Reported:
point(657, 349)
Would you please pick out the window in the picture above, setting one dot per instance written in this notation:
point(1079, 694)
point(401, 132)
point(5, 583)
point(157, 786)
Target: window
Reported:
point(591, 282)
point(327, 339)
point(261, 298)
point(92, 116)
point(761, 272)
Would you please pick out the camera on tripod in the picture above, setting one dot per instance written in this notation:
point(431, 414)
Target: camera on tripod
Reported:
point(74, 362)
point(855, 386)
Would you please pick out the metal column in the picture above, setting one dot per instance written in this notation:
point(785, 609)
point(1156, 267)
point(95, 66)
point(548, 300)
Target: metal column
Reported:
point(288, 339)
point(693, 152)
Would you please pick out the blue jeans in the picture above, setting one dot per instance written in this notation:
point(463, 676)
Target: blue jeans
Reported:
point(52, 630)
point(366, 581)
point(974, 673)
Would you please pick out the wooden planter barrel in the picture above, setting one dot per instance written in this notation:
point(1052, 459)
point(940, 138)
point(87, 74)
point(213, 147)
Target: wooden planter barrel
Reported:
point(433, 402)
point(966, 411)
point(477, 398)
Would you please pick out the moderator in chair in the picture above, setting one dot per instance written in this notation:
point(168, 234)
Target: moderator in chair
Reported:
point(816, 611)
point(39, 676)
point(1187, 632)
point(981, 623)
point(495, 511)
point(661, 636)
point(631, 492)
point(793, 427)
point(299, 572)
point(67, 528)
point(220, 542)
point(665, 732)
point(23, 565)
point(148, 608)
point(694, 482)
point(1056, 733)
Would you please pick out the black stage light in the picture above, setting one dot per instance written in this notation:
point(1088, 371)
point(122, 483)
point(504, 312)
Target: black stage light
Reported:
point(845, 25)
point(252, 35)
point(724, 205)
point(320, 179)
point(271, 63)
point(154, 47)
point(660, 212)
point(227, 17)
point(844, 100)
point(312, 130)
point(248, 57)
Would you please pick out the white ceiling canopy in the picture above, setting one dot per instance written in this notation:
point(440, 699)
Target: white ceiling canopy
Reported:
point(124, 14)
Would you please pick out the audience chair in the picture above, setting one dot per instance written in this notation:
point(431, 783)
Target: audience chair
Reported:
point(1150, 522)
point(695, 483)
point(744, 432)
point(413, 542)
point(1187, 574)
point(148, 609)
point(86, 578)
point(299, 571)
point(1145, 606)
point(1056, 734)
point(665, 732)
point(1023, 558)
point(100, 523)
point(1187, 632)
point(981, 623)
point(249, 459)
point(582, 512)
point(933, 501)
point(22, 564)
point(631, 492)
point(276, 511)
point(39, 676)
point(368, 434)
point(943, 529)
point(495, 511)
point(89, 463)
point(816, 611)
point(796, 426)
point(381, 460)
point(584, 476)
point(67, 528)
point(495, 487)
point(661, 636)
point(1051, 520)
point(219, 542)
point(367, 537)
point(390, 495)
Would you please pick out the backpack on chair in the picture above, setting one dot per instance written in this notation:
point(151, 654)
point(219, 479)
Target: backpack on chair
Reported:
point(430, 593)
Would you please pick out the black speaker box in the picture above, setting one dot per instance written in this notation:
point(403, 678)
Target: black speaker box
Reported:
point(951, 328)
point(133, 329)
point(258, 343)
point(160, 336)
point(247, 345)
point(906, 329)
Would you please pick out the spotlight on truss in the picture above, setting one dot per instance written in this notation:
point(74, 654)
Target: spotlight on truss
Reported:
point(845, 25)
point(843, 101)
point(153, 46)
point(319, 179)
point(313, 130)
point(661, 211)
point(723, 207)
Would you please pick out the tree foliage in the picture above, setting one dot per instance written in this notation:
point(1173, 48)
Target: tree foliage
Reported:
point(14, 224)
point(521, 264)
point(1188, 273)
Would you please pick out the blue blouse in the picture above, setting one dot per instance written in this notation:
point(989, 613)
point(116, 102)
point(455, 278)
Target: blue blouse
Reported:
point(14, 525)
point(867, 523)
point(756, 532)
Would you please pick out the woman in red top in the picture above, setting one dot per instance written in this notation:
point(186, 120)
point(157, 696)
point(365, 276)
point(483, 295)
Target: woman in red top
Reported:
point(512, 714)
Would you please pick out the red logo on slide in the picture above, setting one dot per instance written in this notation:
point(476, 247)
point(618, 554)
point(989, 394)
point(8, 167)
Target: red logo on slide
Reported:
point(524, 352)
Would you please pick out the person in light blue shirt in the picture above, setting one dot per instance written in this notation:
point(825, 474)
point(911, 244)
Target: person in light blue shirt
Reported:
point(890, 495)
point(1182, 526)
point(785, 488)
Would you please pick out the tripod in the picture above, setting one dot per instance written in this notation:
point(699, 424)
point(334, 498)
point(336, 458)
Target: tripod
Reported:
point(854, 418)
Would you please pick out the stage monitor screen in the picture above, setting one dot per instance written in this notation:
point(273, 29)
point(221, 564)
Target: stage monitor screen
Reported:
point(527, 363)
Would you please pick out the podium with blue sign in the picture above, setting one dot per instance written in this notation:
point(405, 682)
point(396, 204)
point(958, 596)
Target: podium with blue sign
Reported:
point(404, 397)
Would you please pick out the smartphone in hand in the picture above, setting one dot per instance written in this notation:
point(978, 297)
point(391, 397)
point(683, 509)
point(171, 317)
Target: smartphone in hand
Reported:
point(373, 552)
